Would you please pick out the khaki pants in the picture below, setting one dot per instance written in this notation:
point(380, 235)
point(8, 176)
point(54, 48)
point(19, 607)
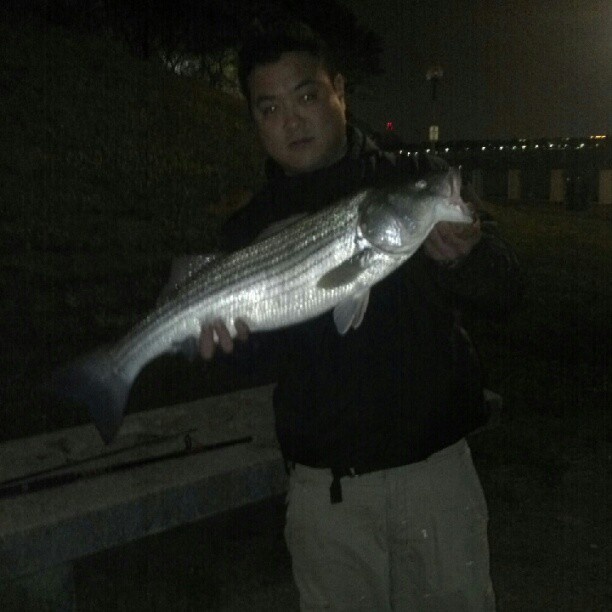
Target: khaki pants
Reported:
point(412, 538)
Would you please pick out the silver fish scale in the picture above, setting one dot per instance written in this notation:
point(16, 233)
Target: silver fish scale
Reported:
point(328, 260)
point(269, 284)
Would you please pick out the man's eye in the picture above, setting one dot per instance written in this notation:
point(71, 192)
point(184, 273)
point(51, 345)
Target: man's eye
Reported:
point(268, 110)
point(309, 96)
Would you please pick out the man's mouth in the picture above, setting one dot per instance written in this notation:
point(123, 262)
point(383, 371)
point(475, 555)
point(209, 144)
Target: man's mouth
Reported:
point(298, 143)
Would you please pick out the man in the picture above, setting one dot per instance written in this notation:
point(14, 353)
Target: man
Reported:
point(385, 510)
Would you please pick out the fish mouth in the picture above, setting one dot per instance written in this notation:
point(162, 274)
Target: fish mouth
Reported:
point(455, 199)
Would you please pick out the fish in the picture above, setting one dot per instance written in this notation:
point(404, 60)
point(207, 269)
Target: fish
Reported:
point(295, 271)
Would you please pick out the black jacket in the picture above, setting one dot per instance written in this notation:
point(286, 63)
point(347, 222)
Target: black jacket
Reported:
point(407, 382)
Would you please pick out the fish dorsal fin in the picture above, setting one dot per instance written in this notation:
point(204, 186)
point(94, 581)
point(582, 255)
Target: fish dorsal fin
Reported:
point(279, 226)
point(182, 270)
point(348, 271)
point(350, 312)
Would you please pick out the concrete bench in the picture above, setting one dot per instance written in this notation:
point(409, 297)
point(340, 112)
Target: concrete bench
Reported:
point(42, 533)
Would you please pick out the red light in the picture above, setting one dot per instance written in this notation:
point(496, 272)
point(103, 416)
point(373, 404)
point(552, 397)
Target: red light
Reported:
point(390, 126)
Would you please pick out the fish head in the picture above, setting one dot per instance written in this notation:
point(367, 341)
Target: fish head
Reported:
point(397, 219)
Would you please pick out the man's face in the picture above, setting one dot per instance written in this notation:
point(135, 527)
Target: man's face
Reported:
point(299, 112)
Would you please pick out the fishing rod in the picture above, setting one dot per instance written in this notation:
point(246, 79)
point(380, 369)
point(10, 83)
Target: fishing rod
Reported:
point(30, 484)
point(71, 463)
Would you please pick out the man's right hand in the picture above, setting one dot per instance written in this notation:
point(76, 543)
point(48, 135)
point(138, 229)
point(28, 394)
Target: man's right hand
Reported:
point(218, 329)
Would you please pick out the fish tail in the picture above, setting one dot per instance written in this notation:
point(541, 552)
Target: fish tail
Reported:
point(94, 382)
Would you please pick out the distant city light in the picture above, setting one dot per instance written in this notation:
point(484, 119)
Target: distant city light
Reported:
point(491, 148)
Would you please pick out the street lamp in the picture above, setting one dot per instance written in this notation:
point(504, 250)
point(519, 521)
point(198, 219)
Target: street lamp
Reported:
point(433, 75)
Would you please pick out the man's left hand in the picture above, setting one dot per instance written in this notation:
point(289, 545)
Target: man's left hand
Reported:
point(449, 242)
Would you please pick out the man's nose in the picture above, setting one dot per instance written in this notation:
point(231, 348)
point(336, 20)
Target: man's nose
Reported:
point(292, 117)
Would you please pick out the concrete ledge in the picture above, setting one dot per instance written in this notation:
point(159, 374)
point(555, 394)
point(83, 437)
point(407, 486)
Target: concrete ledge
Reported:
point(49, 528)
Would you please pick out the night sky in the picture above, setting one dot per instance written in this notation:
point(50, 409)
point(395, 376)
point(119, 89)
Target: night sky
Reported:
point(512, 68)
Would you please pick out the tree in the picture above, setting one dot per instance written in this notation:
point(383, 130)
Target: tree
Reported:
point(203, 35)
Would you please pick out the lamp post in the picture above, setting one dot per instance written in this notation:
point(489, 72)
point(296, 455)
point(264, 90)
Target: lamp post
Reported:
point(433, 75)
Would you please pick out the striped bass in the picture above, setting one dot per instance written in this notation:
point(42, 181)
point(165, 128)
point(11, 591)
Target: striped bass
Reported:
point(328, 260)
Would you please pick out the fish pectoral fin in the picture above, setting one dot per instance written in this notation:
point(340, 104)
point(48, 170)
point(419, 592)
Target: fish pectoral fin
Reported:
point(351, 311)
point(346, 272)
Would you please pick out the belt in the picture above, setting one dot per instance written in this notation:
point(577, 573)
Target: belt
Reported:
point(335, 490)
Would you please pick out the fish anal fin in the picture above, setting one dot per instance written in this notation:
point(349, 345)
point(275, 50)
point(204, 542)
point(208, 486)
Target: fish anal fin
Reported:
point(350, 312)
point(189, 348)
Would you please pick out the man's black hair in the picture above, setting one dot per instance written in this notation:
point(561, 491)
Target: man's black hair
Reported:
point(264, 44)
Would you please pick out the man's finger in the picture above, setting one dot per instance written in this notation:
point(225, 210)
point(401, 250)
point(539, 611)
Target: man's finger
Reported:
point(225, 340)
point(437, 247)
point(242, 330)
point(460, 238)
point(207, 343)
point(452, 239)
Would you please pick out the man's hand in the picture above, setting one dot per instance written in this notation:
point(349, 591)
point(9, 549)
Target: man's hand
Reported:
point(449, 242)
point(218, 329)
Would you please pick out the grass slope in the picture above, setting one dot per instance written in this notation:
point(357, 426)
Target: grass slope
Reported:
point(546, 469)
point(107, 167)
